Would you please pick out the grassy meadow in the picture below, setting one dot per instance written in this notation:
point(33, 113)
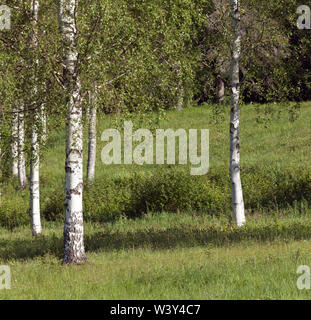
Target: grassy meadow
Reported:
point(189, 250)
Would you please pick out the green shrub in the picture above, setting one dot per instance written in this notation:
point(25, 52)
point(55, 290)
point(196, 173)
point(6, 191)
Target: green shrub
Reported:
point(14, 213)
point(106, 200)
point(176, 190)
point(173, 190)
point(274, 188)
point(53, 203)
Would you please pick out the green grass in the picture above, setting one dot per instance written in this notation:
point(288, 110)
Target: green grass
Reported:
point(276, 142)
point(271, 145)
point(183, 255)
point(161, 257)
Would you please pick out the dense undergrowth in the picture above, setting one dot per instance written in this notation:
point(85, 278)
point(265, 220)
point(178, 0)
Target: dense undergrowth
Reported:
point(173, 190)
point(274, 182)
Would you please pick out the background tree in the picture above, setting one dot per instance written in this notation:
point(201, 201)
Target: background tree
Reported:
point(21, 147)
point(34, 183)
point(265, 45)
point(235, 175)
point(14, 142)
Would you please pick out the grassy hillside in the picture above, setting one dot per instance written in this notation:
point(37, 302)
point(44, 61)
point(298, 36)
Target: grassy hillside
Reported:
point(274, 157)
point(191, 251)
point(267, 139)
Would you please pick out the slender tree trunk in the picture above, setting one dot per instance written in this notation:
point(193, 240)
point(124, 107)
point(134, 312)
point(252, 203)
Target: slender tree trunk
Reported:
point(87, 113)
point(35, 220)
point(92, 137)
point(236, 185)
point(14, 142)
point(43, 121)
point(21, 145)
point(221, 91)
point(43, 115)
point(74, 252)
point(34, 186)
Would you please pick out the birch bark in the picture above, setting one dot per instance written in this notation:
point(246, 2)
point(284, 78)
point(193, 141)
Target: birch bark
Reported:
point(74, 252)
point(43, 122)
point(21, 145)
point(92, 137)
point(14, 142)
point(235, 176)
point(34, 186)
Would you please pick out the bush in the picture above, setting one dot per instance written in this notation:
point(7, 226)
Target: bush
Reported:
point(275, 188)
point(54, 204)
point(173, 190)
point(168, 190)
point(106, 200)
point(13, 213)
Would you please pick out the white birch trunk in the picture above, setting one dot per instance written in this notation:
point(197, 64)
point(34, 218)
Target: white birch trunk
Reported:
point(21, 145)
point(34, 186)
point(74, 252)
point(43, 122)
point(87, 112)
point(236, 185)
point(92, 137)
point(35, 220)
point(14, 142)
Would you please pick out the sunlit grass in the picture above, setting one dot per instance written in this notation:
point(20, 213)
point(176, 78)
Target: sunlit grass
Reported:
point(276, 142)
point(173, 256)
point(159, 257)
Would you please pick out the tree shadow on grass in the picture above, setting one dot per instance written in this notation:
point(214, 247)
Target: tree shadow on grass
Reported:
point(24, 249)
point(151, 239)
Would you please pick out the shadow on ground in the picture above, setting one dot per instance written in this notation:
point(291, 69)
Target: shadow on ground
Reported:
point(23, 249)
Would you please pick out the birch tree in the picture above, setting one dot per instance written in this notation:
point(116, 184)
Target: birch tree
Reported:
point(34, 186)
point(74, 252)
point(21, 146)
point(43, 121)
point(92, 136)
point(14, 141)
point(235, 176)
